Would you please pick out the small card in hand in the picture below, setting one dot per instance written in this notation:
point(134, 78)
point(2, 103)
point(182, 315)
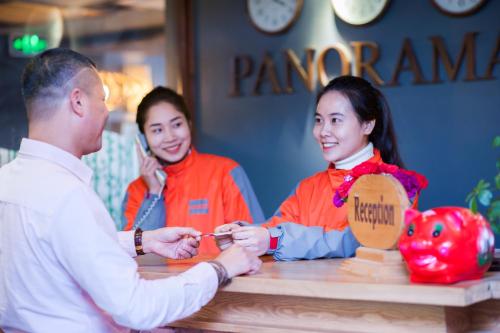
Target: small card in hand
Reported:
point(217, 234)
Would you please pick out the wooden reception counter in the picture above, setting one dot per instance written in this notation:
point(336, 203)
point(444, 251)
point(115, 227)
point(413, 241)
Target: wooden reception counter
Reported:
point(314, 296)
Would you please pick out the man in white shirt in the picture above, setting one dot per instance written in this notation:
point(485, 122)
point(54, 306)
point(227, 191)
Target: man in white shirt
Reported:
point(63, 266)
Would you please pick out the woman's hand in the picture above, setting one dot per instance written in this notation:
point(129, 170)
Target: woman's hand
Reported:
point(223, 242)
point(255, 239)
point(148, 166)
point(172, 242)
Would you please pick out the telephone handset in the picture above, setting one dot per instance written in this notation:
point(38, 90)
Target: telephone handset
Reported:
point(140, 139)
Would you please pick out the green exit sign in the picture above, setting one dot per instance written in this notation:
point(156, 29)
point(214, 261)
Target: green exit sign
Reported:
point(27, 45)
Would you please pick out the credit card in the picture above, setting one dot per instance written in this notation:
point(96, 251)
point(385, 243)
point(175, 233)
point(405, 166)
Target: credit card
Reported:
point(217, 234)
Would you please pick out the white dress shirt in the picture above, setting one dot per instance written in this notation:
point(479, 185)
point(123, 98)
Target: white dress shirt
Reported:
point(63, 266)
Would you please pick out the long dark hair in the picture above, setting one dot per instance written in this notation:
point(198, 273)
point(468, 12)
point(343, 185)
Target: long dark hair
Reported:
point(369, 104)
point(158, 95)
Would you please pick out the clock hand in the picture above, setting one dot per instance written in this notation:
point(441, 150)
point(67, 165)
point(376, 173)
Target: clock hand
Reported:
point(280, 2)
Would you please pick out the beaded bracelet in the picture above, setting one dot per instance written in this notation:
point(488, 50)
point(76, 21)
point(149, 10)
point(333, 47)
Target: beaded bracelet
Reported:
point(138, 242)
point(221, 271)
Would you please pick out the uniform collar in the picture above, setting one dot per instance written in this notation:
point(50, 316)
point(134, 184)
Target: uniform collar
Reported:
point(178, 167)
point(337, 176)
point(53, 154)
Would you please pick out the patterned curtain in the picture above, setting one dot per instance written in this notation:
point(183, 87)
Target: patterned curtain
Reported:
point(114, 166)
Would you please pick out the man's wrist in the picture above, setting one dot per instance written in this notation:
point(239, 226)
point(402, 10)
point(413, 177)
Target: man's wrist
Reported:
point(222, 275)
point(147, 241)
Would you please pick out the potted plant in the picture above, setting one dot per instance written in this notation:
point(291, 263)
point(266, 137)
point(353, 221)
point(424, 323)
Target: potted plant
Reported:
point(488, 196)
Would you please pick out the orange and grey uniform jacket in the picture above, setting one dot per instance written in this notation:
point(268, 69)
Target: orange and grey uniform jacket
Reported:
point(308, 225)
point(202, 191)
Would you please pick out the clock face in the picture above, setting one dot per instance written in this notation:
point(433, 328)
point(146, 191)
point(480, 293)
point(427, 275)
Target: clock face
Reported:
point(458, 7)
point(359, 12)
point(273, 16)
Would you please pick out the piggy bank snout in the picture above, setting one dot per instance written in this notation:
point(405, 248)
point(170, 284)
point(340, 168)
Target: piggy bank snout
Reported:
point(420, 245)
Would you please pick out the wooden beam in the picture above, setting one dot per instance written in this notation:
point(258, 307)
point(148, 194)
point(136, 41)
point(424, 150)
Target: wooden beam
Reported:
point(180, 50)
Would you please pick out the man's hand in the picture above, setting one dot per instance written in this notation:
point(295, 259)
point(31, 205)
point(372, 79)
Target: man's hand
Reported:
point(174, 243)
point(223, 242)
point(255, 239)
point(238, 260)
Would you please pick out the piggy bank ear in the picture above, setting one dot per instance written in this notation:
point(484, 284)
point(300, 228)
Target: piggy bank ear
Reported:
point(410, 215)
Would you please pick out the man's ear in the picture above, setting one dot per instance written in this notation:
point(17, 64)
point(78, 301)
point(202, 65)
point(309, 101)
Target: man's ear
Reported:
point(76, 100)
point(368, 127)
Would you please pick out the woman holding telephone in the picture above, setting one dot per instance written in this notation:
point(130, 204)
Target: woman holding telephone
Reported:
point(179, 186)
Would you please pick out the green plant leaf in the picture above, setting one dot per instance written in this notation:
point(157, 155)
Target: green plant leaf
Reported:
point(496, 141)
point(482, 193)
point(494, 211)
point(473, 205)
point(470, 196)
point(495, 227)
point(494, 216)
point(485, 197)
point(481, 186)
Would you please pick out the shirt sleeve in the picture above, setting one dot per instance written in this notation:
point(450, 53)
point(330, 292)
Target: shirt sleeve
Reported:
point(94, 259)
point(240, 201)
point(126, 240)
point(297, 241)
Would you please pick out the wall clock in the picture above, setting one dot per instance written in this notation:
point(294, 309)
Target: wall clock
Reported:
point(359, 12)
point(273, 16)
point(458, 7)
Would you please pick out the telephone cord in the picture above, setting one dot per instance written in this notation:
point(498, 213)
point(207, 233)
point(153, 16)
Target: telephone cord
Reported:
point(148, 211)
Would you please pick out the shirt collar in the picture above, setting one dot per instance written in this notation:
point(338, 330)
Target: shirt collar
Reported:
point(361, 156)
point(46, 151)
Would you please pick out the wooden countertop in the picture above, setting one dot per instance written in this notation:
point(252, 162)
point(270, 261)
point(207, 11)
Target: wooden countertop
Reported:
point(322, 279)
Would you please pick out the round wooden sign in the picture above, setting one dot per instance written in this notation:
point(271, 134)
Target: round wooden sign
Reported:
point(376, 207)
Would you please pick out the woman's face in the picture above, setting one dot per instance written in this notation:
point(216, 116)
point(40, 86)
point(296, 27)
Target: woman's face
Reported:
point(167, 132)
point(337, 128)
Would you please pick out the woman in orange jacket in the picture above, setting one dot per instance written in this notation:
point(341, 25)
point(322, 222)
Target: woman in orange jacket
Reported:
point(353, 125)
point(201, 191)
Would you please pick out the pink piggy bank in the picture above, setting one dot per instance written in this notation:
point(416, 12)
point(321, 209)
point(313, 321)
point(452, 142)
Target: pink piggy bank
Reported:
point(446, 245)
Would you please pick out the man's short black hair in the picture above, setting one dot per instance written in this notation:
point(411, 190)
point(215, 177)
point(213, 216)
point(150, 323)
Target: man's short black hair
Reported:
point(45, 76)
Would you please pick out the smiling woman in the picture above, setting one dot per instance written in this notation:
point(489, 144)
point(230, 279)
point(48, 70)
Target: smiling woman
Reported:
point(202, 191)
point(353, 126)
point(168, 132)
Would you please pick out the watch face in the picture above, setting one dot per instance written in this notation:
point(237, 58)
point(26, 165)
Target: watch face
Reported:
point(359, 12)
point(458, 7)
point(273, 16)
